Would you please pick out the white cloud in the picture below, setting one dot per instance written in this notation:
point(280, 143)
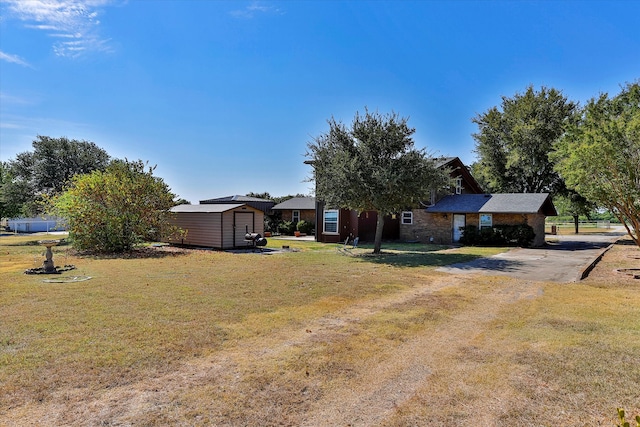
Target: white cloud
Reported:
point(6, 99)
point(73, 21)
point(251, 10)
point(14, 59)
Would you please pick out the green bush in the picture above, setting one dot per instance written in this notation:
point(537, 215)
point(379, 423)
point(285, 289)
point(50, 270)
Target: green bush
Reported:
point(305, 227)
point(500, 235)
point(287, 227)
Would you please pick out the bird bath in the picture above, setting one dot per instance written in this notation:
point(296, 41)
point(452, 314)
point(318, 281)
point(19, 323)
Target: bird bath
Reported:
point(48, 262)
point(48, 266)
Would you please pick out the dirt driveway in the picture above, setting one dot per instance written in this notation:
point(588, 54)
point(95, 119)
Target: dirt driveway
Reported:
point(563, 259)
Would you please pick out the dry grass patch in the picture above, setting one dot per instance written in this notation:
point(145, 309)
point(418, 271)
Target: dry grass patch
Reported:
point(143, 316)
point(568, 357)
point(314, 337)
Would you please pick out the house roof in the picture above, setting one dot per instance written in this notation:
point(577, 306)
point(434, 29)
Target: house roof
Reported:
point(442, 161)
point(208, 208)
point(297, 203)
point(236, 198)
point(522, 203)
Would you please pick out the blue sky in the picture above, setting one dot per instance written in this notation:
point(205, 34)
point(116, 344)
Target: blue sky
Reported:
point(223, 96)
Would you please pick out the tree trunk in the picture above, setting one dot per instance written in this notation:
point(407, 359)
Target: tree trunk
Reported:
point(378, 240)
point(575, 223)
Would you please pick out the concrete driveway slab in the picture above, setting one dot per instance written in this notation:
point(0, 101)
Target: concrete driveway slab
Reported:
point(563, 259)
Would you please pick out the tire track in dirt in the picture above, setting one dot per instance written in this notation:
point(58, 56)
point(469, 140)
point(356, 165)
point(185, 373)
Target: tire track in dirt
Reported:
point(383, 388)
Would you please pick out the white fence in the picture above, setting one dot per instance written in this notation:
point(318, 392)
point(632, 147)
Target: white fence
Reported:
point(581, 224)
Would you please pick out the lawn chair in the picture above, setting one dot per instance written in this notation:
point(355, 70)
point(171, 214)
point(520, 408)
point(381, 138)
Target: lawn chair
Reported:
point(345, 250)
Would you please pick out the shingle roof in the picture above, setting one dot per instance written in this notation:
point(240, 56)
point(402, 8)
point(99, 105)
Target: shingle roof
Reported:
point(441, 161)
point(236, 198)
point(523, 203)
point(297, 203)
point(207, 208)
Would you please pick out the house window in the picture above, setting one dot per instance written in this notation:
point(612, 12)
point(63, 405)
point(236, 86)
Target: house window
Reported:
point(331, 221)
point(459, 185)
point(295, 217)
point(407, 217)
point(486, 221)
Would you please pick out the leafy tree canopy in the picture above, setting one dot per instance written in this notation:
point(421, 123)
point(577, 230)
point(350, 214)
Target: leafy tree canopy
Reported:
point(45, 171)
point(574, 205)
point(600, 155)
point(513, 143)
point(13, 195)
point(115, 209)
point(373, 165)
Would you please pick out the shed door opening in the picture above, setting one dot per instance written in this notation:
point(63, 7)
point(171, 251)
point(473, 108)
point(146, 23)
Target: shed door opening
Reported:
point(243, 222)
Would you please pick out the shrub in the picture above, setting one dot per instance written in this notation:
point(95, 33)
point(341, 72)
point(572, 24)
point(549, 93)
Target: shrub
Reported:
point(115, 209)
point(287, 227)
point(516, 235)
point(305, 227)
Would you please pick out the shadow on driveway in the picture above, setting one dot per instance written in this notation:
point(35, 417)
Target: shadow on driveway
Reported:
point(562, 259)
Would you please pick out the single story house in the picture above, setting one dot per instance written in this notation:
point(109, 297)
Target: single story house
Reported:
point(263, 204)
point(297, 209)
point(443, 222)
point(218, 226)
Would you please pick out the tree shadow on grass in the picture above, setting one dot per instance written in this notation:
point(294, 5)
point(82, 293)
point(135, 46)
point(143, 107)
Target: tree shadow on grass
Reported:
point(416, 259)
point(139, 253)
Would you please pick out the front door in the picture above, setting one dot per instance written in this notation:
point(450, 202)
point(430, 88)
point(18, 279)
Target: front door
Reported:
point(458, 224)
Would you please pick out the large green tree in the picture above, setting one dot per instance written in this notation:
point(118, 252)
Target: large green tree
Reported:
point(115, 209)
point(10, 203)
point(372, 165)
point(513, 143)
point(599, 156)
point(575, 205)
point(43, 172)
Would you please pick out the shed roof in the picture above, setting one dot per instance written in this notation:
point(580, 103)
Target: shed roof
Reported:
point(297, 203)
point(208, 208)
point(523, 203)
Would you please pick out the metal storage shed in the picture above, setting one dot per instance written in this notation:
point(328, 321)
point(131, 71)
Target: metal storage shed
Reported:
point(219, 226)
